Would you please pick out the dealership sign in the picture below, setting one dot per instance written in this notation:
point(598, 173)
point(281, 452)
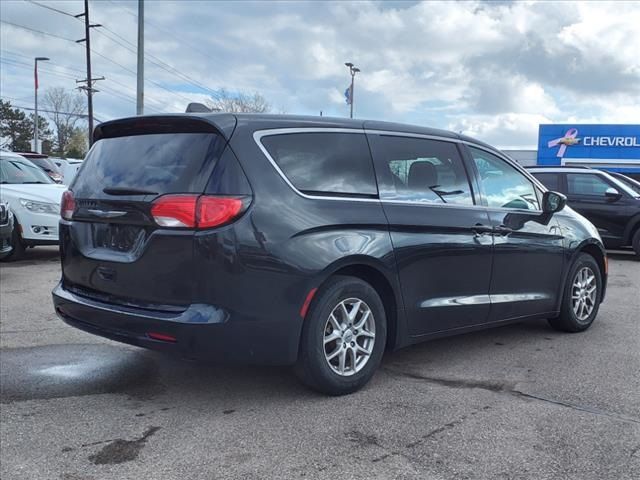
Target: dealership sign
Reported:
point(589, 144)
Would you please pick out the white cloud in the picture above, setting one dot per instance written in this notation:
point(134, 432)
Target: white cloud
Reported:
point(491, 69)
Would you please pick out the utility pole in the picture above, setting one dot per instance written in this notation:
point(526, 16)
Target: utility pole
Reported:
point(89, 80)
point(36, 146)
point(352, 70)
point(140, 73)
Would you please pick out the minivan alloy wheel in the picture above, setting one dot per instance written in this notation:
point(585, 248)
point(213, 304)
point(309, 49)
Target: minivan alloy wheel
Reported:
point(349, 336)
point(584, 293)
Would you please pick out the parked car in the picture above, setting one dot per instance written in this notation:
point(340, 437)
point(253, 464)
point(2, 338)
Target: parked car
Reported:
point(609, 202)
point(313, 242)
point(45, 163)
point(632, 183)
point(68, 168)
point(34, 200)
point(6, 230)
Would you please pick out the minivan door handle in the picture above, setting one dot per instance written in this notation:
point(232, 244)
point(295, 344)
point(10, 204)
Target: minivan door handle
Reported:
point(502, 230)
point(478, 230)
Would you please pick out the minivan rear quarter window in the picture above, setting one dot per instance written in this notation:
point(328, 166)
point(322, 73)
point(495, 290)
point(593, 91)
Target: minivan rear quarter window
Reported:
point(324, 163)
point(160, 163)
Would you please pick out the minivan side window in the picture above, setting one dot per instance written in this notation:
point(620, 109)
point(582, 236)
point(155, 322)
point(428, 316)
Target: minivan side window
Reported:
point(420, 170)
point(324, 163)
point(504, 186)
point(586, 184)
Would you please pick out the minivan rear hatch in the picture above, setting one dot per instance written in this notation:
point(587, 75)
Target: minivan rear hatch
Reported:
point(113, 248)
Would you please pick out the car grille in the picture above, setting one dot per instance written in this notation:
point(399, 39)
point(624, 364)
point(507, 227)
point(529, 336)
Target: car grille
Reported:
point(4, 214)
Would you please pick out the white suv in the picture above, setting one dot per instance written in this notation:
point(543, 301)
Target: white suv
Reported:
point(34, 200)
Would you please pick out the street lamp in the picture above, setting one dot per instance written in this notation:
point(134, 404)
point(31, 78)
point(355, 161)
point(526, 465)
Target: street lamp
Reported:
point(352, 70)
point(35, 118)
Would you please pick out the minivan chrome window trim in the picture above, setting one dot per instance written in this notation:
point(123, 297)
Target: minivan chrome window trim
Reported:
point(259, 134)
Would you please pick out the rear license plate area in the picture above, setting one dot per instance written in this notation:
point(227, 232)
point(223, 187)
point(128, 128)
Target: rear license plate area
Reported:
point(118, 238)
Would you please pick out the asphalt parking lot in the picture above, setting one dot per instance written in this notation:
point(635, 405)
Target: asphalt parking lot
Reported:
point(521, 401)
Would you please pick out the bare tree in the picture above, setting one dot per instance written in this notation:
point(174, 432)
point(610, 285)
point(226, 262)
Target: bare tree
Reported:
point(240, 102)
point(65, 110)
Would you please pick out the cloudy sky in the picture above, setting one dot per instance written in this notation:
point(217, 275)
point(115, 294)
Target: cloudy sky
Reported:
point(493, 70)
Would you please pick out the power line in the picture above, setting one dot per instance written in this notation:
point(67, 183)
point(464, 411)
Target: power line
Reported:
point(51, 8)
point(115, 93)
point(15, 63)
point(101, 55)
point(71, 69)
point(149, 57)
point(168, 32)
point(161, 64)
point(38, 31)
point(83, 115)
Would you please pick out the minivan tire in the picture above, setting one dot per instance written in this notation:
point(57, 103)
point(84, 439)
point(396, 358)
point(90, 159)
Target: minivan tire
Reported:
point(313, 366)
point(635, 242)
point(568, 320)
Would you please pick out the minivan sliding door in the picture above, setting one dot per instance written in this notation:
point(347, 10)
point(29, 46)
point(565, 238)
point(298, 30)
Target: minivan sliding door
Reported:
point(442, 241)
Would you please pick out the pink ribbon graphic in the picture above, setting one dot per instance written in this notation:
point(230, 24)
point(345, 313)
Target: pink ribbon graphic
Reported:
point(568, 139)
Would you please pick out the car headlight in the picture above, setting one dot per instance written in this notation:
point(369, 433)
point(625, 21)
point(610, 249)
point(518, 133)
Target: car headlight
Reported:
point(40, 207)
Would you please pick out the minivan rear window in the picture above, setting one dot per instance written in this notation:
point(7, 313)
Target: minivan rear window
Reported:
point(324, 163)
point(159, 163)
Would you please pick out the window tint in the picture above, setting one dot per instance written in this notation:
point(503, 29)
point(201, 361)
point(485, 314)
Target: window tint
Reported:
point(420, 170)
point(549, 180)
point(503, 185)
point(324, 163)
point(586, 184)
point(162, 163)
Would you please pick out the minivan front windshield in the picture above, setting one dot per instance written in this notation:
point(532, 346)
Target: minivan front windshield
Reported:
point(18, 171)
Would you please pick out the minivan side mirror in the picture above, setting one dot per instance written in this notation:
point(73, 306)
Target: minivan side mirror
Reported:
point(612, 194)
point(553, 202)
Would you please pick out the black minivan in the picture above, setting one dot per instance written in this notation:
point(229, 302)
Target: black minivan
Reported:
point(313, 242)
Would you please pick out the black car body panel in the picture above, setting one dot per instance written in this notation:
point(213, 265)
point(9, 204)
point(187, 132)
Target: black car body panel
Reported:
point(239, 292)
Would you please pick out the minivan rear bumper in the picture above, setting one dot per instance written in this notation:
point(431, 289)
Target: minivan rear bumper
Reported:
point(201, 332)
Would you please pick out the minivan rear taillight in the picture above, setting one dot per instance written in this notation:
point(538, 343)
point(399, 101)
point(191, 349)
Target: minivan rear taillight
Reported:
point(196, 211)
point(67, 205)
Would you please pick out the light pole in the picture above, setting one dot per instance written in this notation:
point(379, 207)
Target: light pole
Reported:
point(352, 70)
point(35, 118)
point(140, 70)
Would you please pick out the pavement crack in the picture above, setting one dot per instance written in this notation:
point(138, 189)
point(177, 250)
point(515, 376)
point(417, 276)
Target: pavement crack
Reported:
point(579, 408)
point(455, 382)
point(121, 451)
point(508, 389)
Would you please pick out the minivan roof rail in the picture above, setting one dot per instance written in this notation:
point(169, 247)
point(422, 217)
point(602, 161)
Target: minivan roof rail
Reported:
point(558, 166)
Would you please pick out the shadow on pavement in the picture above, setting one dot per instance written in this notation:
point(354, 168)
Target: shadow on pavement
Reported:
point(56, 371)
point(34, 256)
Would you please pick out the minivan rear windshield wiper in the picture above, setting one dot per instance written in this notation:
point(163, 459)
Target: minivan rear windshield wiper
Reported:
point(127, 191)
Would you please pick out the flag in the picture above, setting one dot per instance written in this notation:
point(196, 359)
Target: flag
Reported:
point(35, 75)
point(347, 95)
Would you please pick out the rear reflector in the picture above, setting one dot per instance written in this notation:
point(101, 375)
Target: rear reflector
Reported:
point(307, 302)
point(193, 211)
point(163, 337)
point(67, 205)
